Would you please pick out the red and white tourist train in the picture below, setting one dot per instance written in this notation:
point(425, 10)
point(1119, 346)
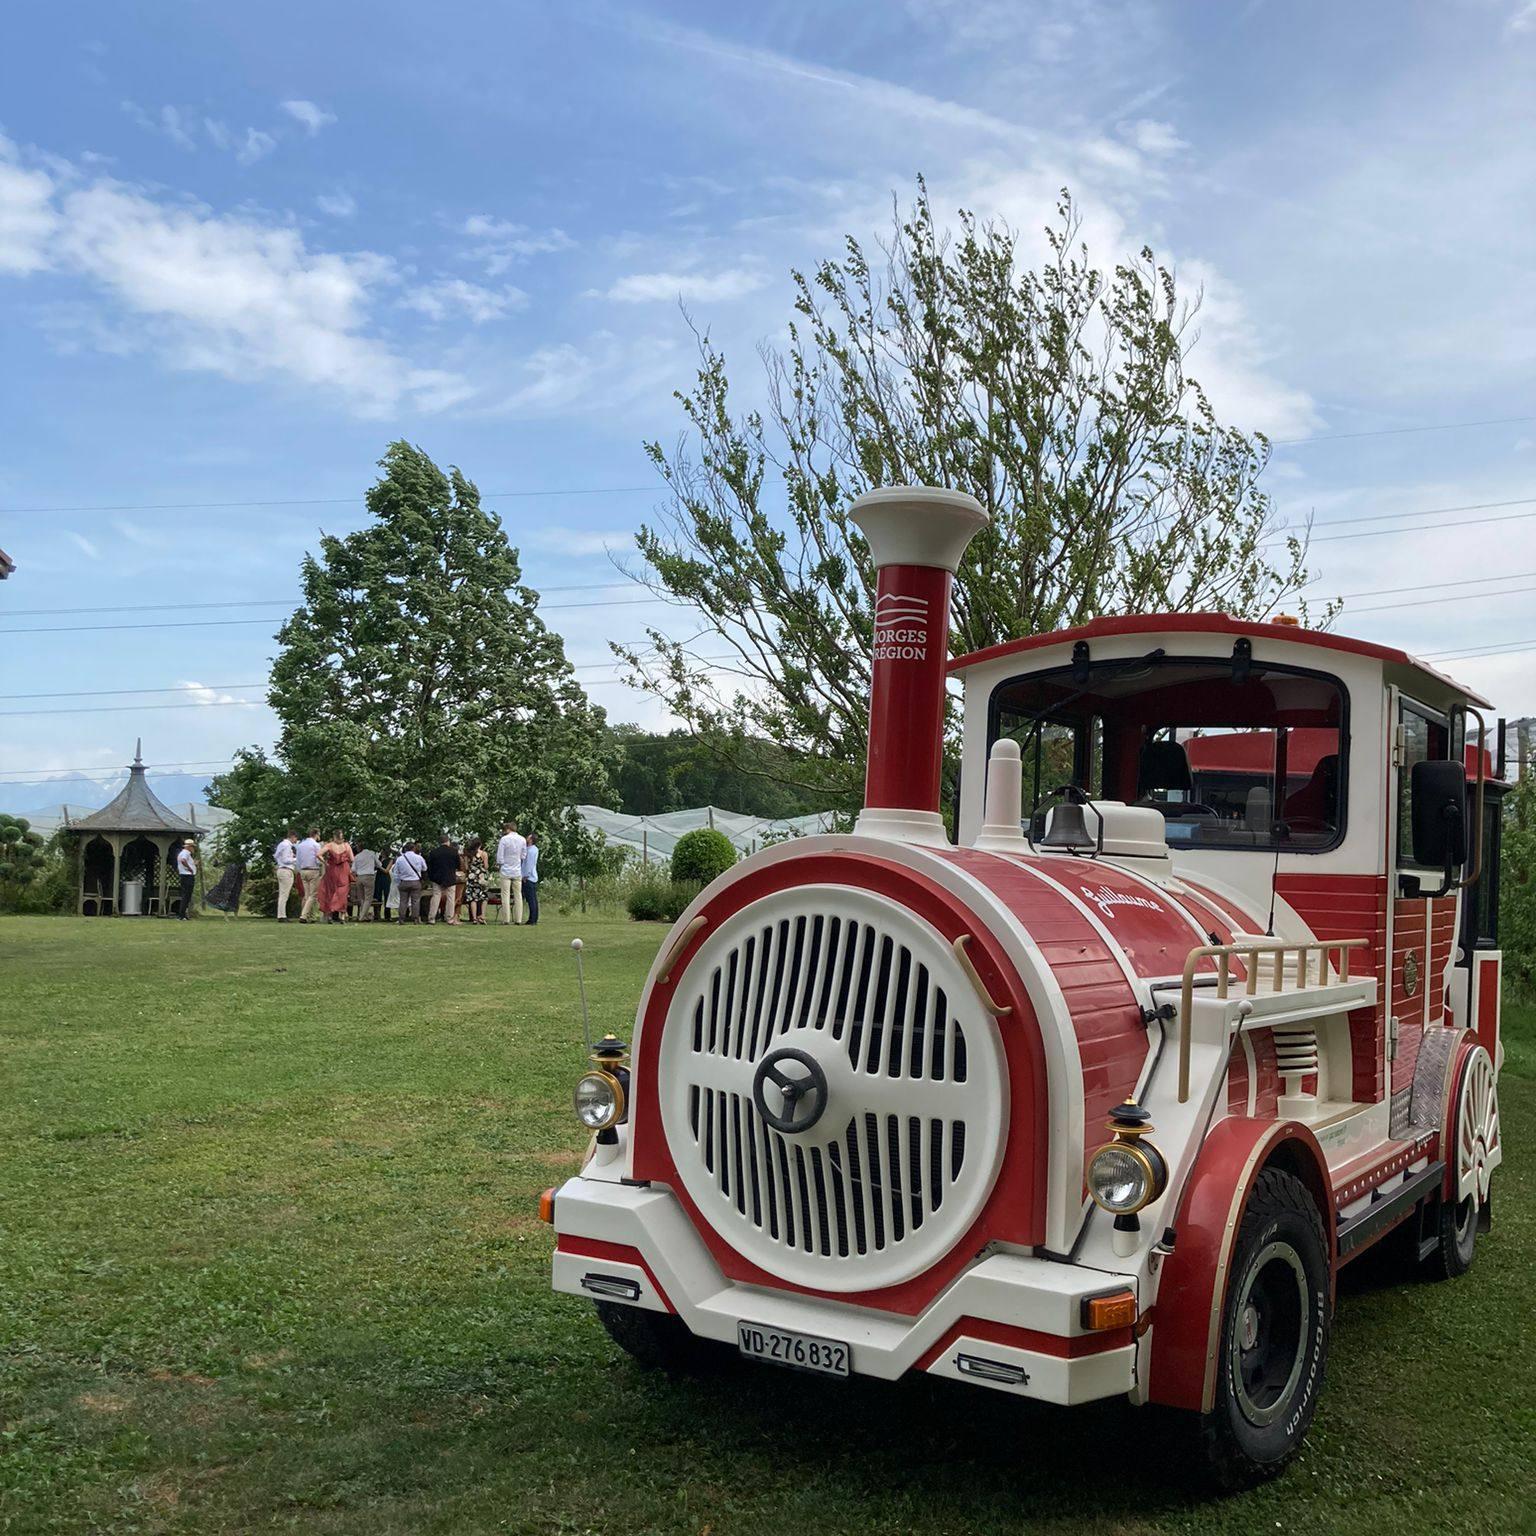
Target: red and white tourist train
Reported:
point(1096, 1099)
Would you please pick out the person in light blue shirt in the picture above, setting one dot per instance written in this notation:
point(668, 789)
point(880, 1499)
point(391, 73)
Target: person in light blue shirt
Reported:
point(531, 879)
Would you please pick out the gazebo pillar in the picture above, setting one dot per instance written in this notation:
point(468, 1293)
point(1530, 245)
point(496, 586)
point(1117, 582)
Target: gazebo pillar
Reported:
point(117, 874)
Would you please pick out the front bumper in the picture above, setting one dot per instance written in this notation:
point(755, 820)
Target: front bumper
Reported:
point(1011, 1321)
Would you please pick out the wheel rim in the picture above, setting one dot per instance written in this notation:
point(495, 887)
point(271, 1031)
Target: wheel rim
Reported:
point(1270, 1328)
point(1479, 1147)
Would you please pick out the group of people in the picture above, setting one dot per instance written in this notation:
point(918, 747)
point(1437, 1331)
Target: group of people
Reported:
point(404, 884)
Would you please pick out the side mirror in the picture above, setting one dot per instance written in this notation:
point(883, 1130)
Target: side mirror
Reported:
point(1439, 815)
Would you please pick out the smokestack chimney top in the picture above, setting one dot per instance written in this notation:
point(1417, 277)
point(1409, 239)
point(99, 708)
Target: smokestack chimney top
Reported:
point(922, 525)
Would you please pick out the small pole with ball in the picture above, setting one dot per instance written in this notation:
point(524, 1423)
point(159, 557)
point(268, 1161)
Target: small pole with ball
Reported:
point(581, 984)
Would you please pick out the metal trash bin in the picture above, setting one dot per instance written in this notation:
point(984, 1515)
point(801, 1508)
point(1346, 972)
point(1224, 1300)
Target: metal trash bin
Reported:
point(133, 898)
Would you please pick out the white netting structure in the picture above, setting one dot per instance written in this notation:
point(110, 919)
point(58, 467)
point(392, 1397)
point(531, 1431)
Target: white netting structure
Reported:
point(654, 837)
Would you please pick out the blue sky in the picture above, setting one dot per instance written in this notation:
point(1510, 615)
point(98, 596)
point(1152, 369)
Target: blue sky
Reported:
point(241, 248)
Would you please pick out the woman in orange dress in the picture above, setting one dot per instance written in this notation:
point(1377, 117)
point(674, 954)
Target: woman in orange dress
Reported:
point(336, 882)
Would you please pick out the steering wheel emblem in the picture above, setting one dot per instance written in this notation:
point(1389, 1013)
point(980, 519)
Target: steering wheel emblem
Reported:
point(790, 1090)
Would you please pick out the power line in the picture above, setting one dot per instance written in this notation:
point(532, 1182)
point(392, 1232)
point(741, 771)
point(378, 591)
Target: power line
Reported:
point(1450, 426)
point(1376, 533)
point(270, 602)
point(214, 762)
point(311, 501)
point(1389, 517)
point(1470, 581)
point(1429, 602)
point(107, 693)
point(86, 629)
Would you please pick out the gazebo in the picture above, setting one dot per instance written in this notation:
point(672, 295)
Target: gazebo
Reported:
point(133, 838)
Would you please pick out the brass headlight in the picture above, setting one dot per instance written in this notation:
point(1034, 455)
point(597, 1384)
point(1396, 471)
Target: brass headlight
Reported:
point(599, 1100)
point(1128, 1173)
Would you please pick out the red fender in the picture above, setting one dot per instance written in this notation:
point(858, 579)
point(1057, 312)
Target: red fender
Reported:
point(1187, 1321)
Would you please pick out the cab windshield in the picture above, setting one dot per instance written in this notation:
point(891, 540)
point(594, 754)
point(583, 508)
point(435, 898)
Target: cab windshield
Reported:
point(1232, 753)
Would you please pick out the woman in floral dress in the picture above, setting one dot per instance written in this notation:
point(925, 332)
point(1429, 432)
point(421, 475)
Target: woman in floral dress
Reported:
point(476, 879)
point(336, 882)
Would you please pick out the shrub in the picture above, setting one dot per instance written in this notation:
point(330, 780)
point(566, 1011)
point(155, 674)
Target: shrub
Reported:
point(660, 901)
point(701, 855)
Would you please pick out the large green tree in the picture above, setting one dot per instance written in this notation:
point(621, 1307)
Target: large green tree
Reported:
point(417, 688)
point(1058, 395)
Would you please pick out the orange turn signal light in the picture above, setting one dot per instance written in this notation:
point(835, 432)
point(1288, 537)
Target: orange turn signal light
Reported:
point(1114, 1309)
point(547, 1206)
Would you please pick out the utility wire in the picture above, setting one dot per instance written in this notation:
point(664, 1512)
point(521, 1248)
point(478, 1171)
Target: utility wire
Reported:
point(84, 629)
point(267, 602)
point(312, 501)
point(1450, 426)
point(636, 490)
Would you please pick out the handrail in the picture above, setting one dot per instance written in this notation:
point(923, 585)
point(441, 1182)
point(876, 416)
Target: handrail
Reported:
point(679, 944)
point(1249, 950)
point(1469, 877)
point(996, 1009)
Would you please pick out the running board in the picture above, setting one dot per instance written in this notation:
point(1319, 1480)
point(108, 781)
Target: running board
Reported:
point(1370, 1224)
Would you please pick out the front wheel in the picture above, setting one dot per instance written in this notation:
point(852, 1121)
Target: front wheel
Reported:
point(1274, 1335)
point(659, 1340)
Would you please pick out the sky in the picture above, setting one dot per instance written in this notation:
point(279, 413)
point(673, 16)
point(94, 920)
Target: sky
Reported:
point(243, 248)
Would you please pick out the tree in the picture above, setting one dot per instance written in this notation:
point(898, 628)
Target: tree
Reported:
point(1059, 397)
point(21, 858)
point(679, 771)
point(702, 854)
point(417, 688)
point(1517, 888)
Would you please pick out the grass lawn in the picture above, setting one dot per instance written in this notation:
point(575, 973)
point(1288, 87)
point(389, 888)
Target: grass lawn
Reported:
point(269, 1261)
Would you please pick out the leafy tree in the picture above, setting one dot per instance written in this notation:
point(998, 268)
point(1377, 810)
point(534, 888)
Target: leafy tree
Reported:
point(1517, 888)
point(21, 858)
point(1057, 395)
point(418, 689)
point(678, 771)
point(702, 854)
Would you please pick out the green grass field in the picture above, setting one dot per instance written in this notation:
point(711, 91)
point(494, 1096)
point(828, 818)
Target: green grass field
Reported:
point(269, 1261)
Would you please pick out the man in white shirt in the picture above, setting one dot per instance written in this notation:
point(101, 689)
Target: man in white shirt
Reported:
point(287, 862)
point(360, 898)
point(307, 858)
point(510, 852)
point(408, 870)
point(186, 868)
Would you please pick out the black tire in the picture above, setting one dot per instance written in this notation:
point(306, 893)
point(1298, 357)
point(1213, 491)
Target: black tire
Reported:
point(659, 1340)
point(1455, 1229)
point(1274, 1336)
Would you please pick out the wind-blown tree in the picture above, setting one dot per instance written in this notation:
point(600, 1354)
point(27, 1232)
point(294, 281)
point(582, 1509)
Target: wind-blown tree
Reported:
point(1057, 396)
point(418, 689)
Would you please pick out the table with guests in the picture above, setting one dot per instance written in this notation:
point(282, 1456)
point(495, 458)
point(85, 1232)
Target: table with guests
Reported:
point(404, 883)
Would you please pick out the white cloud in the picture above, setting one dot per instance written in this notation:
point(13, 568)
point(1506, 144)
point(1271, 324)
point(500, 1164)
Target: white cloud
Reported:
point(27, 216)
point(704, 287)
point(83, 544)
point(579, 543)
point(449, 297)
point(168, 121)
point(222, 293)
point(1153, 137)
point(1524, 17)
point(255, 146)
point(312, 117)
point(339, 205)
point(500, 243)
point(201, 693)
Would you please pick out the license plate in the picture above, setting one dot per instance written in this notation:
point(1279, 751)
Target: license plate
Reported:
point(796, 1349)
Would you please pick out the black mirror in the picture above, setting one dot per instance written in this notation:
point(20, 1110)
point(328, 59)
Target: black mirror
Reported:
point(1439, 814)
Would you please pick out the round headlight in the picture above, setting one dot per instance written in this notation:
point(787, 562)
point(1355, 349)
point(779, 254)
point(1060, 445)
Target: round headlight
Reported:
point(1121, 1178)
point(599, 1100)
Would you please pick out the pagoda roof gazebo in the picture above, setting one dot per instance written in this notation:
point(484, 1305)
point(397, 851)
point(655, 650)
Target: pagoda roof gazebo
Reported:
point(136, 834)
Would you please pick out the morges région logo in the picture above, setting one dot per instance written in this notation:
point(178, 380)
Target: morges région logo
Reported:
point(1106, 900)
point(901, 628)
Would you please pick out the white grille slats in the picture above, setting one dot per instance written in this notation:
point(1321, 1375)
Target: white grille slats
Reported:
point(882, 1183)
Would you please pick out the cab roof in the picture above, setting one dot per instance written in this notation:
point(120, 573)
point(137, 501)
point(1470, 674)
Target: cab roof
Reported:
point(1214, 624)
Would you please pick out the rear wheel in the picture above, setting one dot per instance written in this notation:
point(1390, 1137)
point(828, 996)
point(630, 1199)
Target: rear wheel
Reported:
point(659, 1340)
point(1274, 1335)
point(1475, 1149)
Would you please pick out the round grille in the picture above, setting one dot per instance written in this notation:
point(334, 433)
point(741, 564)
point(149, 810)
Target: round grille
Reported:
point(904, 1142)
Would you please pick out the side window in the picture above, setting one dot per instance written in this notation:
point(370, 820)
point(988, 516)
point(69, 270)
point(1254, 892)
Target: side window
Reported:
point(1426, 738)
point(1056, 752)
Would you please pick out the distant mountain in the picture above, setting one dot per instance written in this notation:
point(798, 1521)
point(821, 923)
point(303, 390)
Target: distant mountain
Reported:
point(77, 790)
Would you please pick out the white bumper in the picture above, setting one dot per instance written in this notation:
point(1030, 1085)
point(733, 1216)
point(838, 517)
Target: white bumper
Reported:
point(636, 1244)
